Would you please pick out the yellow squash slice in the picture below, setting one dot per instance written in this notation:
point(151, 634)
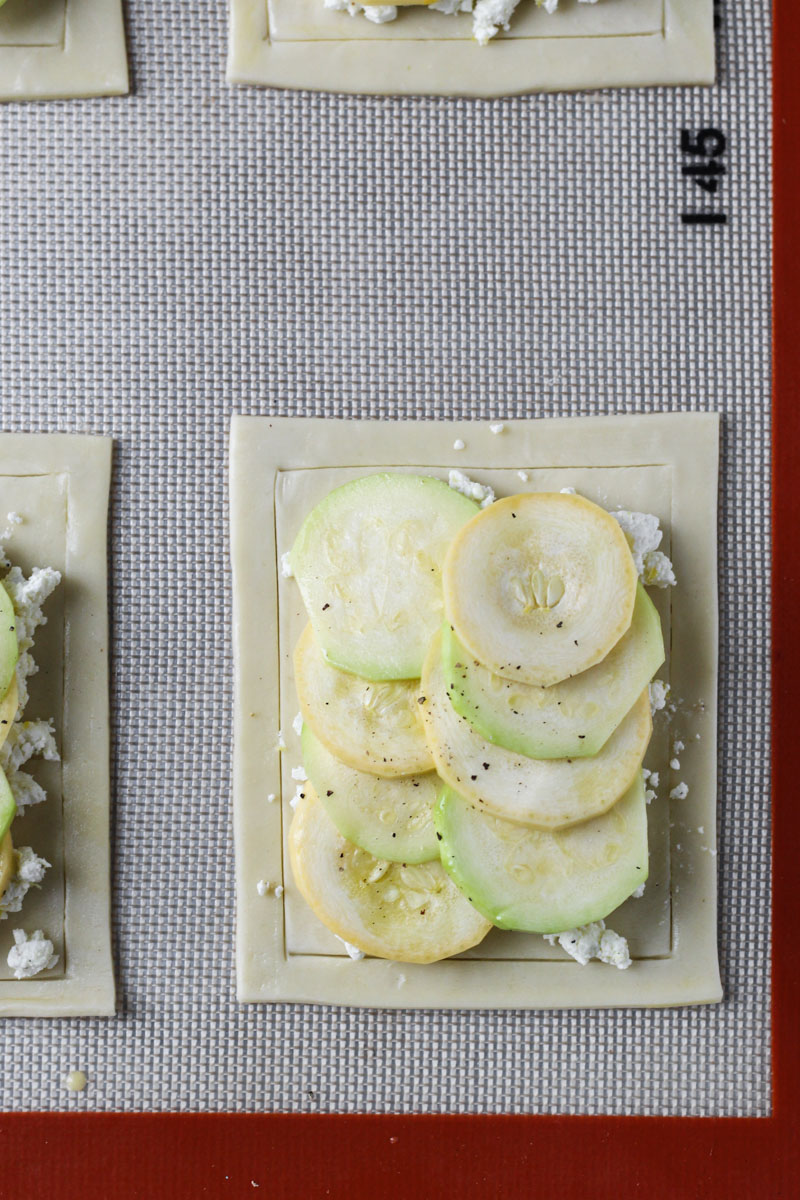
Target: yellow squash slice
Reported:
point(540, 586)
point(388, 910)
point(370, 726)
point(546, 793)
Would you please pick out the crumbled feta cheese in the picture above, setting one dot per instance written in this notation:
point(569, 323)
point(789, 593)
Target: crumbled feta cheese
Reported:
point(26, 739)
point(489, 16)
point(593, 941)
point(28, 597)
point(674, 764)
point(286, 565)
point(680, 792)
point(262, 887)
point(379, 14)
point(25, 789)
point(658, 695)
point(279, 890)
point(568, 491)
point(29, 873)
point(637, 895)
point(352, 950)
point(496, 427)
point(297, 797)
point(30, 955)
point(649, 796)
point(458, 444)
point(654, 779)
point(12, 519)
point(271, 798)
point(281, 740)
point(460, 482)
point(523, 475)
point(644, 537)
point(299, 773)
point(297, 724)
point(677, 746)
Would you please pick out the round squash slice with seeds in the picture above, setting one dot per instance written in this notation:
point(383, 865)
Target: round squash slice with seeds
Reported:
point(388, 910)
point(539, 587)
point(371, 726)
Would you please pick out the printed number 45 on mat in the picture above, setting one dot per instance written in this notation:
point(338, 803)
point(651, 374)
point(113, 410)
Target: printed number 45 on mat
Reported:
point(703, 167)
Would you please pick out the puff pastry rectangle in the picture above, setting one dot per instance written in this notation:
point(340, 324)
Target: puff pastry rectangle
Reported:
point(62, 49)
point(662, 464)
point(616, 43)
point(59, 485)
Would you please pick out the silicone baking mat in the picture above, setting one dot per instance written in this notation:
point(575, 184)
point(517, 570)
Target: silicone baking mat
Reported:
point(193, 251)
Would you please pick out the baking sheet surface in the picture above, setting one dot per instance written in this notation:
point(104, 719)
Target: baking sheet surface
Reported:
point(193, 251)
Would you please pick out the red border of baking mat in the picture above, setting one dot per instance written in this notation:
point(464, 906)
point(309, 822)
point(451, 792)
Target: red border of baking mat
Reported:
point(302, 1157)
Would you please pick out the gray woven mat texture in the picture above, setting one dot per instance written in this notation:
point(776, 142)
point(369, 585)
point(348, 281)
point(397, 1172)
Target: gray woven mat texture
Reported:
point(193, 251)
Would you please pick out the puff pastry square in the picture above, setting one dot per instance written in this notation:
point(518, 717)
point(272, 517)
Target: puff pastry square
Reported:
point(59, 485)
point(667, 465)
point(62, 49)
point(615, 43)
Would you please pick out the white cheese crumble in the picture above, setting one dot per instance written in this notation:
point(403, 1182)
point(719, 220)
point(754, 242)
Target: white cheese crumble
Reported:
point(281, 740)
point(29, 873)
point(297, 797)
point(30, 954)
point(658, 695)
point(299, 774)
point(12, 519)
point(271, 798)
point(262, 887)
point(459, 444)
point(568, 491)
point(496, 427)
point(593, 941)
point(286, 565)
point(352, 950)
point(674, 764)
point(28, 596)
point(481, 492)
point(523, 475)
point(297, 724)
point(680, 792)
point(25, 789)
point(637, 895)
point(26, 739)
point(644, 537)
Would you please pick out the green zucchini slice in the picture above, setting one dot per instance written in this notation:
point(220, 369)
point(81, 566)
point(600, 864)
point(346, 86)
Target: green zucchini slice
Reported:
point(372, 726)
point(389, 910)
point(368, 561)
point(548, 793)
point(545, 881)
point(8, 805)
point(540, 586)
point(391, 818)
point(571, 719)
point(9, 646)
